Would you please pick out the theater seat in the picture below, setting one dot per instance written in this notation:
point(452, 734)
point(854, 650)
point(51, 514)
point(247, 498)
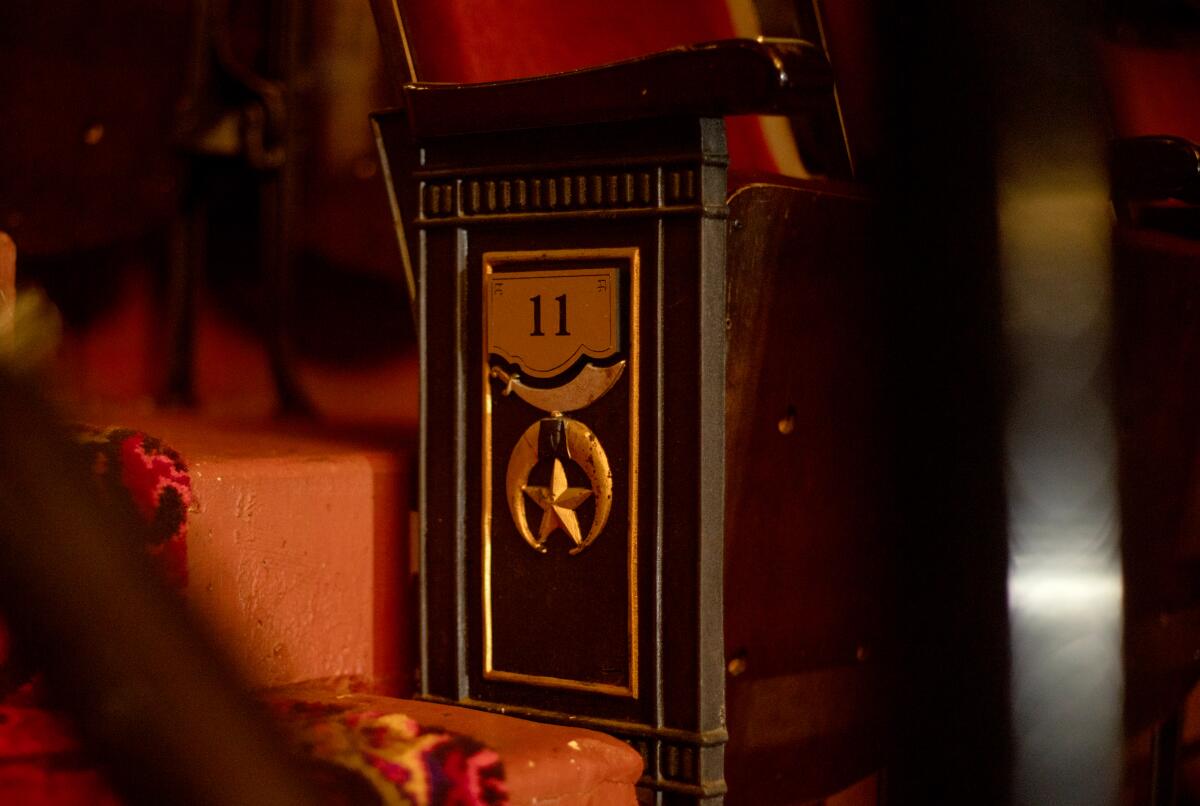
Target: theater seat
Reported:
point(715, 601)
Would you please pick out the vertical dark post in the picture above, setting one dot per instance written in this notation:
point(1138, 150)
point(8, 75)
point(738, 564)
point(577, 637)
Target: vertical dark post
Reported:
point(279, 195)
point(942, 302)
point(186, 256)
point(1164, 761)
point(186, 240)
point(1009, 586)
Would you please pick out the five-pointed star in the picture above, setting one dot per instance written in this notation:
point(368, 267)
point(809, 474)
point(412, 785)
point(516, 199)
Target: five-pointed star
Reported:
point(558, 502)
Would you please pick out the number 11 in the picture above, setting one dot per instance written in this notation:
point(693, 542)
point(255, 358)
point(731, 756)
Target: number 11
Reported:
point(561, 299)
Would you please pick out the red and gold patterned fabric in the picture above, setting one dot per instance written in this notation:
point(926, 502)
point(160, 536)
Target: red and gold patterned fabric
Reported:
point(354, 755)
point(144, 476)
point(386, 757)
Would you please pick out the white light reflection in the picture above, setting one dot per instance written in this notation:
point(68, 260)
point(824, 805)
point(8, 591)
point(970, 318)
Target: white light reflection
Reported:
point(1049, 593)
point(1065, 589)
point(1067, 683)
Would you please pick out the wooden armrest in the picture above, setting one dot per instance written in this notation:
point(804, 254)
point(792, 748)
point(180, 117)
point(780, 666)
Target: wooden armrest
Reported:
point(1156, 167)
point(728, 77)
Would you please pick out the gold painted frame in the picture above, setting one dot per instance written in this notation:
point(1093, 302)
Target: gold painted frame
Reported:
point(490, 260)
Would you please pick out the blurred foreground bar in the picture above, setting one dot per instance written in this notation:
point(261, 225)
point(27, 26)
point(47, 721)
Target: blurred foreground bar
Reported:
point(995, 262)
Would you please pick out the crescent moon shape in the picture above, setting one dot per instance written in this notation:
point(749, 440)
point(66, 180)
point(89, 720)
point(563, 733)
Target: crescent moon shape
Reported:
point(584, 389)
point(520, 462)
point(585, 450)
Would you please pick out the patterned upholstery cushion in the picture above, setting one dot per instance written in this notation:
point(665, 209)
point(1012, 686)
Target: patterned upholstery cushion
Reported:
point(434, 753)
point(370, 747)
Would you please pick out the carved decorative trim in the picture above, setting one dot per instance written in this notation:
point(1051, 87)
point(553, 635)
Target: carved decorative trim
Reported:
point(584, 190)
point(678, 767)
point(678, 763)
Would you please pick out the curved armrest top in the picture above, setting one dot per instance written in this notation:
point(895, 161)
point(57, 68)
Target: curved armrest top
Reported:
point(1156, 167)
point(713, 79)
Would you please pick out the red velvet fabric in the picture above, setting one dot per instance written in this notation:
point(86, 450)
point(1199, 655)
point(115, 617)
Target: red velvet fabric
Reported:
point(41, 762)
point(1153, 90)
point(490, 40)
point(852, 48)
point(472, 41)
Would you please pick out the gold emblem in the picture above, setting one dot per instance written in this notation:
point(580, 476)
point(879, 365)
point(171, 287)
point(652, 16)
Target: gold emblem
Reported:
point(587, 387)
point(558, 502)
point(558, 438)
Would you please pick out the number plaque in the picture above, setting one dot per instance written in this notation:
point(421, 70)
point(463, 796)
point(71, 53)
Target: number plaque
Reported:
point(545, 321)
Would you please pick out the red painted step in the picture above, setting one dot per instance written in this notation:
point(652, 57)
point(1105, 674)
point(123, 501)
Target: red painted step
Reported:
point(298, 548)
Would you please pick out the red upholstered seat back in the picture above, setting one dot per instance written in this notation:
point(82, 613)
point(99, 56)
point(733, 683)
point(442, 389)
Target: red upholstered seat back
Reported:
point(1153, 90)
point(490, 40)
point(472, 41)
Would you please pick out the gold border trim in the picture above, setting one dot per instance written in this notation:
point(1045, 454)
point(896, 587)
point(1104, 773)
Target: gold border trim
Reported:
point(408, 54)
point(491, 259)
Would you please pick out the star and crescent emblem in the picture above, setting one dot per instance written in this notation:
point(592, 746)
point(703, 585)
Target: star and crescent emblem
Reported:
point(541, 324)
point(559, 439)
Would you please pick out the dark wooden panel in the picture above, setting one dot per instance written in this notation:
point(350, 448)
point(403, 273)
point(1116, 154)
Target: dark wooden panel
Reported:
point(1157, 318)
point(804, 537)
